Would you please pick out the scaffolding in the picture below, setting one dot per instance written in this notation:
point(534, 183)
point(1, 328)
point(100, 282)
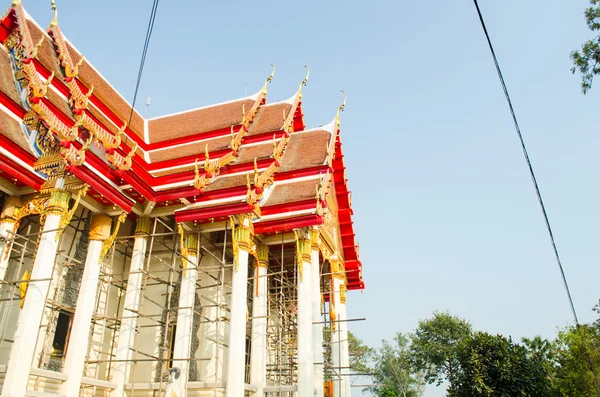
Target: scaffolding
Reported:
point(156, 317)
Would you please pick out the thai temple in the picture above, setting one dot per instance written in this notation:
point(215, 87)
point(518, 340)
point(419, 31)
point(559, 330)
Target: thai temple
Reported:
point(202, 253)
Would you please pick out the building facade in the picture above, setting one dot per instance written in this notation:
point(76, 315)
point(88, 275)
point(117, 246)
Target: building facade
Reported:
point(206, 252)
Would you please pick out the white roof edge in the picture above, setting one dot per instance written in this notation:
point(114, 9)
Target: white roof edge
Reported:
point(250, 97)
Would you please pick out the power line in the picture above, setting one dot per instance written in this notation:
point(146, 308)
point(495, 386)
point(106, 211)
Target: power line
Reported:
point(144, 53)
point(531, 173)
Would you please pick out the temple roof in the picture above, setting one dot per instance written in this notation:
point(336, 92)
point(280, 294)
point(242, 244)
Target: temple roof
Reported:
point(204, 164)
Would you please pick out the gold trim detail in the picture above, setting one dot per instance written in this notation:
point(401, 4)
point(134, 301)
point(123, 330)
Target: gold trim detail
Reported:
point(23, 287)
point(108, 243)
point(142, 227)
point(242, 237)
point(303, 249)
point(212, 168)
point(188, 246)
point(262, 254)
point(56, 203)
point(343, 290)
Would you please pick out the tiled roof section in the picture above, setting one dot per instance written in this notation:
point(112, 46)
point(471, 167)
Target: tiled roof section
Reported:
point(269, 118)
point(194, 149)
point(107, 95)
point(60, 103)
point(226, 182)
point(11, 129)
point(247, 154)
point(305, 150)
point(7, 81)
point(198, 121)
point(291, 192)
point(46, 53)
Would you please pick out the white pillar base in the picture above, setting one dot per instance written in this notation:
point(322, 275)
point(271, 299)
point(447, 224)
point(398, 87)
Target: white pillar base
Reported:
point(185, 320)
point(132, 300)
point(28, 326)
point(237, 331)
point(258, 351)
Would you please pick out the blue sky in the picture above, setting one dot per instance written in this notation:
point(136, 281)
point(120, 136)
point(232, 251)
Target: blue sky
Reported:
point(445, 212)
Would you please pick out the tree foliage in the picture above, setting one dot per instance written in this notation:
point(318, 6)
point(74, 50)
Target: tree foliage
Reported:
point(577, 358)
point(493, 365)
point(433, 346)
point(586, 60)
point(393, 372)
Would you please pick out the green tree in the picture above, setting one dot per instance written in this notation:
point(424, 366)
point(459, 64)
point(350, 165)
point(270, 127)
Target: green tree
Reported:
point(495, 366)
point(393, 372)
point(433, 346)
point(587, 59)
point(577, 356)
point(360, 354)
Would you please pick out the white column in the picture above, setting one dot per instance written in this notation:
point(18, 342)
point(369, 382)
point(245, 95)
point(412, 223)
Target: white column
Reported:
point(28, 326)
point(344, 341)
point(339, 336)
point(82, 320)
point(8, 225)
point(132, 300)
point(185, 311)
point(305, 318)
point(315, 273)
point(242, 241)
point(258, 350)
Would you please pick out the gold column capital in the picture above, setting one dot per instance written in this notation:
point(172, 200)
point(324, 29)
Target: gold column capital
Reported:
point(9, 212)
point(303, 250)
point(58, 204)
point(242, 236)
point(337, 269)
point(142, 227)
point(262, 256)
point(191, 243)
point(314, 238)
point(100, 227)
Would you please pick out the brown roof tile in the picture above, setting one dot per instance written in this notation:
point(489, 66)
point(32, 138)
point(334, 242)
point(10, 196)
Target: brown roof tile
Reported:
point(11, 129)
point(190, 150)
point(46, 53)
point(197, 121)
point(305, 150)
point(7, 80)
point(226, 182)
point(269, 118)
point(247, 154)
point(291, 192)
point(60, 103)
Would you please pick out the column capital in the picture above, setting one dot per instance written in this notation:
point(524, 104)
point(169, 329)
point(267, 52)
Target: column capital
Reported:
point(142, 227)
point(337, 269)
point(100, 227)
point(262, 256)
point(303, 250)
point(104, 224)
point(314, 238)
point(242, 236)
point(9, 212)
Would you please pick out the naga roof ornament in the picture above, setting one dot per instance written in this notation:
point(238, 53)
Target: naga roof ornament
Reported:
point(213, 167)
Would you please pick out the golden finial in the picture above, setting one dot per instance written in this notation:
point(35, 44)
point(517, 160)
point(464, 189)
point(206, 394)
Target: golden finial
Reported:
point(206, 154)
point(55, 19)
point(303, 82)
point(16, 3)
point(269, 79)
point(340, 109)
